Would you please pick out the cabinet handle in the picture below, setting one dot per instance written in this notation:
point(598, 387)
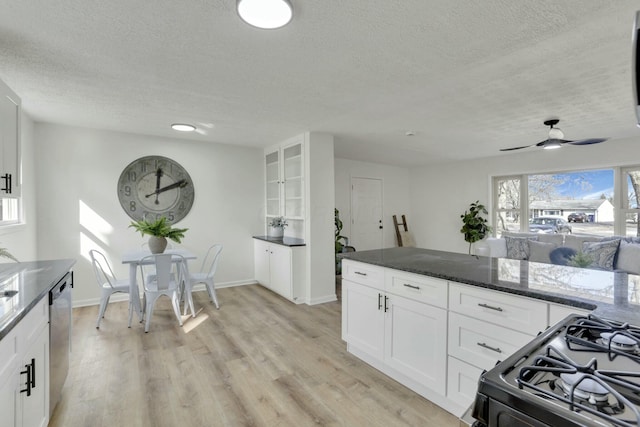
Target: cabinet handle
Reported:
point(490, 307)
point(386, 307)
point(7, 183)
point(33, 373)
point(412, 286)
point(362, 274)
point(379, 300)
point(488, 347)
point(29, 380)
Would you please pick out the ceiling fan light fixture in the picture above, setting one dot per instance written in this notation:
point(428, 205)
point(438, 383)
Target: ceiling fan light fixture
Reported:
point(183, 127)
point(552, 145)
point(556, 133)
point(265, 14)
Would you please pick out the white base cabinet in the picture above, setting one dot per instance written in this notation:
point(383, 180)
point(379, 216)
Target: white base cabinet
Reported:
point(24, 371)
point(280, 268)
point(436, 337)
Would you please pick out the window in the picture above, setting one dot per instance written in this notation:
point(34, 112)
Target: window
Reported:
point(9, 210)
point(588, 202)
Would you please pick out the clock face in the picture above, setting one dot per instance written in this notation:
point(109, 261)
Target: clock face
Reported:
point(155, 186)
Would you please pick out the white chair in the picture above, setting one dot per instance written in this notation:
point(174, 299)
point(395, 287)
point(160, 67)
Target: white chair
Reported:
point(163, 283)
point(108, 282)
point(206, 276)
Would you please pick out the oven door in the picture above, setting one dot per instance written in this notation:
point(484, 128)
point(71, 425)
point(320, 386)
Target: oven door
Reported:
point(504, 416)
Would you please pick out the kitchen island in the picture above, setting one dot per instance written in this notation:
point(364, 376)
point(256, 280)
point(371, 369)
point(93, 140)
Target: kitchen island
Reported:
point(35, 326)
point(434, 320)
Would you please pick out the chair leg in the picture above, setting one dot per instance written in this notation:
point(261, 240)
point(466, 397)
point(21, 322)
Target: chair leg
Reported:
point(130, 312)
point(212, 293)
point(104, 300)
point(188, 300)
point(176, 307)
point(149, 310)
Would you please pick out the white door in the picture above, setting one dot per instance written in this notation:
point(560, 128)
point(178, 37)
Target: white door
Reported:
point(366, 213)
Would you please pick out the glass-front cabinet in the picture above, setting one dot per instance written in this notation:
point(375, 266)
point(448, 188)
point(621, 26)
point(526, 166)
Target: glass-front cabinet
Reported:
point(284, 180)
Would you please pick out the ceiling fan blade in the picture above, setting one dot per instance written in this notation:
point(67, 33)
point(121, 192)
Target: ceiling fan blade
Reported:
point(516, 148)
point(588, 141)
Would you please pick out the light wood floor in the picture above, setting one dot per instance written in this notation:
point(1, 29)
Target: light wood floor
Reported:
point(258, 361)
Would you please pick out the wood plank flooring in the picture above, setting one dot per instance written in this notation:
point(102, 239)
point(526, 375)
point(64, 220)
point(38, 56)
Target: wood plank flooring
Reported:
point(258, 361)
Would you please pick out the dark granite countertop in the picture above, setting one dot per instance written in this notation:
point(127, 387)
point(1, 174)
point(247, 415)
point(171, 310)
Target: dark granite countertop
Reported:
point(613, 295)
point(284, 241)
point(33, 281)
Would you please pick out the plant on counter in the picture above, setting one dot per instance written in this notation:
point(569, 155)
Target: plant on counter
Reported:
point(278, 222)
point(4, 253)
point(475, 226)
point(159, 230)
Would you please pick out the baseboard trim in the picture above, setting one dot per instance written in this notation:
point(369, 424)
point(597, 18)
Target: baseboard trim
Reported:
point(119, 297)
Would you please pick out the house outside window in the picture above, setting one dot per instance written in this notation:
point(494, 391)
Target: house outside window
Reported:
point(601, 202)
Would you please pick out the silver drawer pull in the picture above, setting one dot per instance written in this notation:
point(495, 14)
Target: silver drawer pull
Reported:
point(362, 274)
point(490, 307)
point(412, 286)
point(488, 347)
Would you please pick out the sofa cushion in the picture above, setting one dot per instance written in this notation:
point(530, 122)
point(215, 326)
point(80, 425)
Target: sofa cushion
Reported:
point(562, 255)
point(497, 247)
point(556, 239)
point(603, 254)
point(575, 242)
point(540, 251)
point(518, 247)
point(628, 257)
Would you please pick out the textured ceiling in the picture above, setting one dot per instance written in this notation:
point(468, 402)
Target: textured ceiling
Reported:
point(467, 77)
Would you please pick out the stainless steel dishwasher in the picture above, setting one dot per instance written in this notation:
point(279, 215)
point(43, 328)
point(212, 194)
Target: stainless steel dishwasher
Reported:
point(59, 337)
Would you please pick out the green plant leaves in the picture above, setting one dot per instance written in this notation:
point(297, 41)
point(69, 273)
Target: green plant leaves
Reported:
point(159, 228)
point(475, 227)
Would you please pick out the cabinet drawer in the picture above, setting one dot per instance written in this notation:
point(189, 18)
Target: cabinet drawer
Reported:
point(462, 382)
point(518, 313)
point(482, 344)
point(417, 287)
point(365, 274)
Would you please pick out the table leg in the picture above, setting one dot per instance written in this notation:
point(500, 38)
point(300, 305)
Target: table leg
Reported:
point(134, 290)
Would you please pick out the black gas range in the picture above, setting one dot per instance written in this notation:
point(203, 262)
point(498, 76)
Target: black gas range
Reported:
point(584, 371)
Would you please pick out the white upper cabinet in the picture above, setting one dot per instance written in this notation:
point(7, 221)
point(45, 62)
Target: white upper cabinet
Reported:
point(284, 178)
point(10, 106)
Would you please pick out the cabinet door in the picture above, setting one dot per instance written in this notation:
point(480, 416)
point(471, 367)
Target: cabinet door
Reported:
point(261, 262)
point(292, 173)
point(273, 183)
point(9, 378)
point(416, 341)
point(280, 266)
point(9, 139)
point(35, 408)
point(363, 318)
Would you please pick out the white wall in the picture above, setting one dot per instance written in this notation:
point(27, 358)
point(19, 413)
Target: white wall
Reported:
point(78, 208)
point(20, 240)
point(441, 193)
point(396, 194)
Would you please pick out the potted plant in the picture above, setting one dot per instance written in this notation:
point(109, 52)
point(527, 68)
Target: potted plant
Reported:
point(339, 241)
point(276, 226)
point(159, 230)
point(475, 227)
point(4, 253)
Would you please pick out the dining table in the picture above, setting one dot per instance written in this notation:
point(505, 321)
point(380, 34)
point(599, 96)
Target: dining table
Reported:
point(134, 259)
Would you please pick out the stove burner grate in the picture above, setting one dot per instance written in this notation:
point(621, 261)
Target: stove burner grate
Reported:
point(615, 338)
point(584, 387)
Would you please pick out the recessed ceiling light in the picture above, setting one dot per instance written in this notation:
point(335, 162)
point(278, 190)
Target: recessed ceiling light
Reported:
point(265, 14)
point(183, 127)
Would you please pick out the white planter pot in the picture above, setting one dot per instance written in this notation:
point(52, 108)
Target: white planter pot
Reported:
point(157, 245)
point(275, 231)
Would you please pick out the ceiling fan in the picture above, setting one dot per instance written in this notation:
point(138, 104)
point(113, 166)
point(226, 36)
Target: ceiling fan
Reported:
point(555, 139)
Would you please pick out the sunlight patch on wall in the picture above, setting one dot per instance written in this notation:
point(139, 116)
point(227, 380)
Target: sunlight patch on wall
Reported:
point(95, 224)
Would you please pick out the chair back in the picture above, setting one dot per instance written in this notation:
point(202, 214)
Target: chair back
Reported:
point(210, 262)
point(163, 264)
point(102, 268)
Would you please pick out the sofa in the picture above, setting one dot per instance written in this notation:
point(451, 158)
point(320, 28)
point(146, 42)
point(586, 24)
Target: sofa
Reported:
point(619, 253)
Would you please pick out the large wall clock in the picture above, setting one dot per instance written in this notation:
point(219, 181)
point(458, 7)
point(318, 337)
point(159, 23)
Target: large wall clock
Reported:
point(155, 186)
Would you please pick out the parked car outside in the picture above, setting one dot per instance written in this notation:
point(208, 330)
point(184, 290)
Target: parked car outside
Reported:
point(578, 217)
point(549, 224)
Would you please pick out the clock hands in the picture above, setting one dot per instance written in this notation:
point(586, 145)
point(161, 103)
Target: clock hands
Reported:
point(178, 184)
point(158, 176)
